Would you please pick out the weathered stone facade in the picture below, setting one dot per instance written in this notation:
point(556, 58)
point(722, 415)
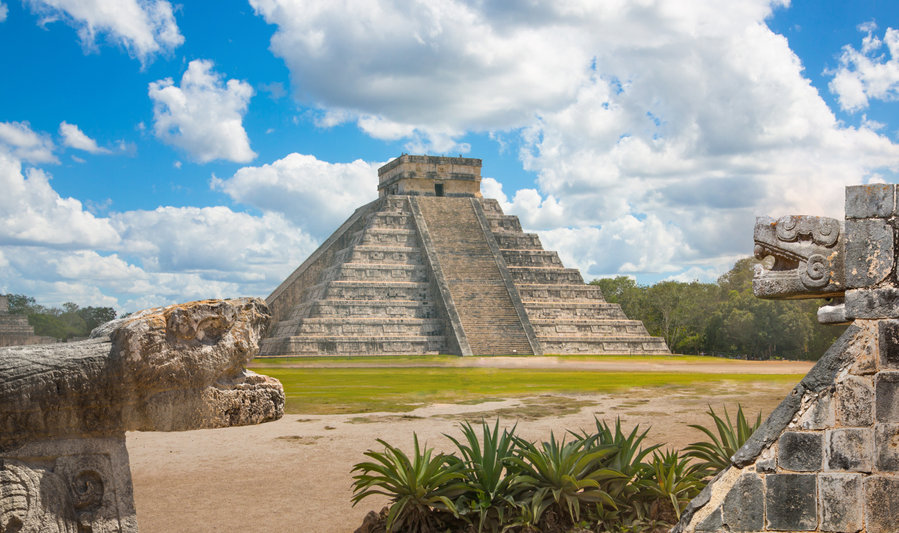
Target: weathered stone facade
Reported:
point(827, 459)
point(431, 267)
point(64, 408)
point(15, 329)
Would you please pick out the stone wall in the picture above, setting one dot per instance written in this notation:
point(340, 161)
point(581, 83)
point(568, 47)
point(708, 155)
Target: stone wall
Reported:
point(827, 459)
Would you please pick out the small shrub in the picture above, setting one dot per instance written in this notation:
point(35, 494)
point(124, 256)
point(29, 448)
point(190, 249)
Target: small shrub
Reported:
point(420, 489)
point(714, 456)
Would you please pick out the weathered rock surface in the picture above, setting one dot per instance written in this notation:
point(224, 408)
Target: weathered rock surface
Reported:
point(64, 408)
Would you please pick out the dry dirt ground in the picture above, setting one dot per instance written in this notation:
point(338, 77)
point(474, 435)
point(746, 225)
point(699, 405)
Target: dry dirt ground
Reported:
point(294, 474)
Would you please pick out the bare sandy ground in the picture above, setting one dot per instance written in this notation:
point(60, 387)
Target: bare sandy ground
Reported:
point(294, 474)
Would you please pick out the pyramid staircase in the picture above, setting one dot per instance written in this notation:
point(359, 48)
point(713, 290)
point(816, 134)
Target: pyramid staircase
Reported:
point(372, 296)
point(567, 315)
point(431, 267)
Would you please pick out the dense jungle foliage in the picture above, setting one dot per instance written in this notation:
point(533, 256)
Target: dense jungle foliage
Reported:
point(724, 318)
point(64, 323)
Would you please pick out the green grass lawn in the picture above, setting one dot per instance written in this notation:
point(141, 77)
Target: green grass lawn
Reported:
point(357, 389)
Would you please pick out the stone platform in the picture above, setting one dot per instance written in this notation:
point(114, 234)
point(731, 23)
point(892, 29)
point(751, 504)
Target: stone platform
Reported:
point(431, 267)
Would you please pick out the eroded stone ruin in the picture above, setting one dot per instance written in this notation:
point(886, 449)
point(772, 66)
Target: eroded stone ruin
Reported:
point(827, 459)
point(432, 267)
point(64, 408)
point(15, 329)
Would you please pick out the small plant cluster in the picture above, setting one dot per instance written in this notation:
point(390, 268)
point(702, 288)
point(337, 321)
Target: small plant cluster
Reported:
point(601, 481)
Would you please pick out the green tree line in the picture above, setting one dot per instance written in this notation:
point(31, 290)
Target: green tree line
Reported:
point(67, 322)
point(724, 318)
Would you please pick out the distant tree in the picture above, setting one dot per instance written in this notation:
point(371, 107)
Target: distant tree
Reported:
point(723, 318)
point(63, 323)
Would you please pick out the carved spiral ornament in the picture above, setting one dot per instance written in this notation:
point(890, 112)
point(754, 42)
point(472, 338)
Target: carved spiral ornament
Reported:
point(787, 228)
point(827, 231)
point(816, 274)
point(87, 490)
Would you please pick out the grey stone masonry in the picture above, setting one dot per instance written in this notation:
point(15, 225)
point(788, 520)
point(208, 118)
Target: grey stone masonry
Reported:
point(568, 316)
point(418, 273)
point(827, 458)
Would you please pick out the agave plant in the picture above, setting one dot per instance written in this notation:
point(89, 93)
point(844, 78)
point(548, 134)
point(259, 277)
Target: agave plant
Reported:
point(673, 480)
point(420, 488)
point(714, 455)
point(491, 484)
point(568, 473)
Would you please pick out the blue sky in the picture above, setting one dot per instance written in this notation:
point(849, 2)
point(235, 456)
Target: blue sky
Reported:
point(154, 152)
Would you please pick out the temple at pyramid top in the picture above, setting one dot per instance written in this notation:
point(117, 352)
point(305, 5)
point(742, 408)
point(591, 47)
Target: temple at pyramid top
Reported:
point(432, 267)
point(426, 175)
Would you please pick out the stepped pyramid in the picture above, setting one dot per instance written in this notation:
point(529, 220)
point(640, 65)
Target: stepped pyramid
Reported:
point(15, 329)
point(432, 267)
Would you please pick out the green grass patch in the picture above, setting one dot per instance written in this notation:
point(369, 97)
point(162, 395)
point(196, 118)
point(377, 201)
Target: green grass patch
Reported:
point(455, 360)
point(363, 390)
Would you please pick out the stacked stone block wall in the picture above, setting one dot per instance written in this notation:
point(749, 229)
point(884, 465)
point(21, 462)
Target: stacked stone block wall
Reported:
point(828, 458)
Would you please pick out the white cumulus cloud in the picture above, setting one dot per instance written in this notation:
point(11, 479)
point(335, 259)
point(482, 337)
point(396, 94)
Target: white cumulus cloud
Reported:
point(73, 137)
point(204, 116)
point(316, 195)
point(869, 72)
point(4, 11)
point(442, 66)
point(53, 248)
point(23, 143)
point(143, 27)
point(32, 213)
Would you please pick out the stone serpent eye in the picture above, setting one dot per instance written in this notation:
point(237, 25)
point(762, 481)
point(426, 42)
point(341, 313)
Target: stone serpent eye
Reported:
point(787, 228)
point(815, 274)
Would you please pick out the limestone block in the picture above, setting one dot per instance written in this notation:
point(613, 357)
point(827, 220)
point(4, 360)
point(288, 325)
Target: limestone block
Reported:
point(853, 400)
point(800, 452)
point(888, 332)
point(820, 414)
point(841, 502)
point(850, 449)
point(767, 461)
point(881, 504)
point(791, 502)
point(872, 303)
point(876, 200)
point(742, 509)
point(868, 252)
point(887, 392)
point(886, 445)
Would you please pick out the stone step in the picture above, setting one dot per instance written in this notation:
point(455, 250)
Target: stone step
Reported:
point(572, 310)
point(370, 308)
point(536, 258)
point(367, 253)
point(499, 223)
point(491, 206)
point(387, 220)
point(517, 241)
point(378, 345)
point(380, 272)
point(595, 327)
point(548, 275)
point(560, 292)
point(364, 290)
point(388, 236)
point(486, 312)
point(366, 326)
point(606, 345)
